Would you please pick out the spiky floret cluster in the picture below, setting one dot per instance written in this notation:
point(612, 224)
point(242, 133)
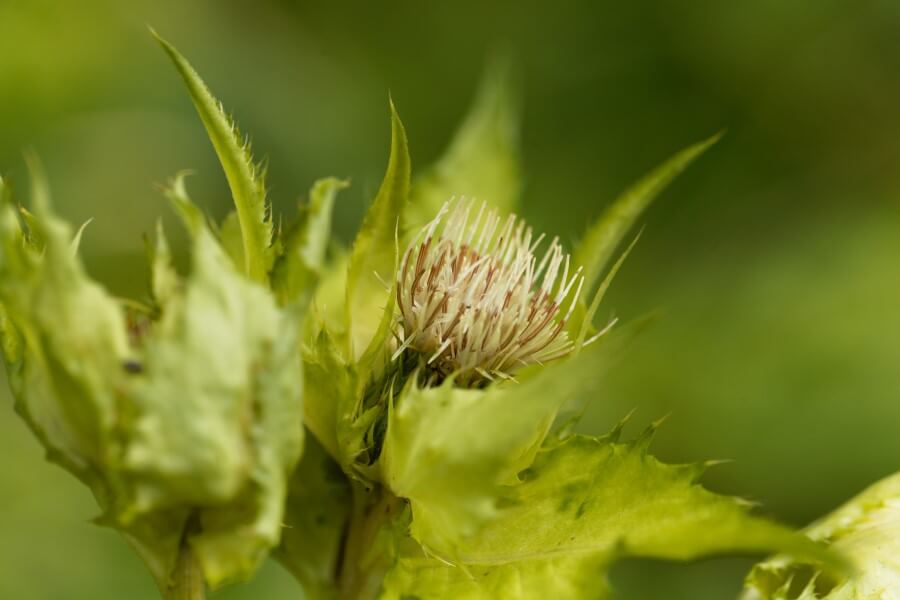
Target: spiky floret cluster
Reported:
point(474, 299)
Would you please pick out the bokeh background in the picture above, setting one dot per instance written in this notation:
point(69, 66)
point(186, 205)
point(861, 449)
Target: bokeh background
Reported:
point(775, 259)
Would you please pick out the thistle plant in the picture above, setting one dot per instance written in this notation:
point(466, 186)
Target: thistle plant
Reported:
point(384, 419)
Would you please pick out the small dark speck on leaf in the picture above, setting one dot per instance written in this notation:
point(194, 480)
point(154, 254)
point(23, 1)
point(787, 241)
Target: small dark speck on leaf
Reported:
point(527, 474)
point(133, 367)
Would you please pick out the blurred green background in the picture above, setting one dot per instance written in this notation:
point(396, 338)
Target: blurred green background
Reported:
point(775, 259)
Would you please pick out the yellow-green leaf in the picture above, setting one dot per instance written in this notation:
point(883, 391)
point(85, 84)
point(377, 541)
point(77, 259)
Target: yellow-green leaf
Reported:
point(374, 249)
point(231, 239)
point(450, 450)
point(583, 504)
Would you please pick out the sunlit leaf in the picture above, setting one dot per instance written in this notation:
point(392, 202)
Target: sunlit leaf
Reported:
point(583, 504)
point(450, 450)
point(561, 577)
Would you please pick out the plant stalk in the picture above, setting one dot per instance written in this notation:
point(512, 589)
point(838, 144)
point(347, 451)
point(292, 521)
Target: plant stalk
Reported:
point(364, 563)
point(187, 582)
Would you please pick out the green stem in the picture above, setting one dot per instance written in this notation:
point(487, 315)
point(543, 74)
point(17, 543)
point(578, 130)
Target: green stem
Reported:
point(187, 581)
point(363, 564)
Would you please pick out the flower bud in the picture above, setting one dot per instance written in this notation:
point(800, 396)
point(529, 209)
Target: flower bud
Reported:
point(477, 300)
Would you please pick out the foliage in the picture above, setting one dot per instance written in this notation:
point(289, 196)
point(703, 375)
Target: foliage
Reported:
point(185, 414)
point(186, 410)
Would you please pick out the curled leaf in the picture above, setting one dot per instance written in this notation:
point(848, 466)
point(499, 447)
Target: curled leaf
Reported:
point(192, 415)
point(866, 530)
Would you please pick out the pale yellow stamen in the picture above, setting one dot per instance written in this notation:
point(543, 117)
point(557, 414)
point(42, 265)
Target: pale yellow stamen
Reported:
point(475, 301)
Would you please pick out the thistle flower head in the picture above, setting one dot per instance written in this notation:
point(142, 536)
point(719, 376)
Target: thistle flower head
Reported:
point(475, 300)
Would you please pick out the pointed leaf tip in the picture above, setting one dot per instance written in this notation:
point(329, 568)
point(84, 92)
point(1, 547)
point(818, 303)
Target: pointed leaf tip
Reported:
point(245, 177)
point(40, 188)
point(607, 232)
point(76, 240)
point(304, 243)
point(644, 440)
point(616, 434)
point(374, 249)
point(582, 320)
